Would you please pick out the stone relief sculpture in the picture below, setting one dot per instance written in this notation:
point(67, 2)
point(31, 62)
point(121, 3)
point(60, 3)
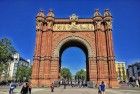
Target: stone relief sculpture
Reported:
point(109, 24)
point(49, 24)
point(73, 26)
point(98, 24)
point(38, 25)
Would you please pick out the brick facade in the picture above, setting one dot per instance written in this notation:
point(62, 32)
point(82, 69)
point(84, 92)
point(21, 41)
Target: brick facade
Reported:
point(98, 43)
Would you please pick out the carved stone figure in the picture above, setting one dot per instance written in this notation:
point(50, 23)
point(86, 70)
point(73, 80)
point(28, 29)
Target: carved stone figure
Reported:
point(49, 24)
point(98, 24)
point(109, 24)
point(73, 26)
point(38, 25)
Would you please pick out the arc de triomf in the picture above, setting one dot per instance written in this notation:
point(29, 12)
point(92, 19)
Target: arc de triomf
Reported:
point(93, 35)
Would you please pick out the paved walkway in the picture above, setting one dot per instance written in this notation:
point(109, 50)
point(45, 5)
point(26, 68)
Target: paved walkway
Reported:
point(86, 91)
point(75, 91)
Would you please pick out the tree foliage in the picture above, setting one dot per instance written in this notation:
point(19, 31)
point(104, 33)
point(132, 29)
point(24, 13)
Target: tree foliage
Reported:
point(23, 73)
point(6, 51)
point(66, 74)
point(81, 74)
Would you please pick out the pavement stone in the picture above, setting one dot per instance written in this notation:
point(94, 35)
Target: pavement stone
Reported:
point(70, 90)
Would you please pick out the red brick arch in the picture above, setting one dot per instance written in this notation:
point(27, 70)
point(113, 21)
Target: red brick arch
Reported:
point(95, 34)
point(91, 52)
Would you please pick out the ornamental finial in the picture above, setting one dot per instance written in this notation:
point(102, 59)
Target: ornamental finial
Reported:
point(41, 13)
point(107, 13)
point(74, 17)
point(50, 13)
point(97, 13)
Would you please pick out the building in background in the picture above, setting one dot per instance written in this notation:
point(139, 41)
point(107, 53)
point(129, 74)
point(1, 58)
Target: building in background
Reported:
point(15, 63)
point(121, 71)
point(134, 70)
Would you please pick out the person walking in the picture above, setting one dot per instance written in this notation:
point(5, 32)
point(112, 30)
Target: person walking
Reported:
point(12, 87)
point(139, 82)
point(30, 88)
point(102, 87)
point(99, 89)
point(25, 89)
point(52, 87)
point(65, 84)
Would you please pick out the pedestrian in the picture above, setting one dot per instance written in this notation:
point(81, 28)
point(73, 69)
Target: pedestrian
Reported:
point(99, 89)
point(64, 85)
point(52, 87)
point(12, 87)
point(25, 89)
point(30, 88)
point(102, 86)
point(139, 82)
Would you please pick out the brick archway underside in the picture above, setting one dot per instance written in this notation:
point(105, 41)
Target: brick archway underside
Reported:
point(91, 52)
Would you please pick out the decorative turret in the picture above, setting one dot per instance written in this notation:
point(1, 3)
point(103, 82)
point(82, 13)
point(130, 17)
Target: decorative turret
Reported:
point(50, 15)
point(97, 15)
point(97, 19)
point(40, 15)
point(108, 19)
point(107, 13)
point(40, 19)
point(50, 19)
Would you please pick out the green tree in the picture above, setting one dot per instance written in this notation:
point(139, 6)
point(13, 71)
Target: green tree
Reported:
point(65, 73)
point(6, 51)
point(81, 75)
point(23, 73)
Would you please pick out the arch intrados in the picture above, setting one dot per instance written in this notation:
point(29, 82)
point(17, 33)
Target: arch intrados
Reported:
point(73, 41)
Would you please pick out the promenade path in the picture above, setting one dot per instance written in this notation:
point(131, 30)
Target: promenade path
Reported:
point(70, 90)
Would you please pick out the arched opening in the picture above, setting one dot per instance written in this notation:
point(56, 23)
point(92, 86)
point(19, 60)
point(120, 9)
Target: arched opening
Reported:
point(79, 46)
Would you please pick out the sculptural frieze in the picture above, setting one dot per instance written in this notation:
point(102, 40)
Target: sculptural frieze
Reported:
point(73, 26)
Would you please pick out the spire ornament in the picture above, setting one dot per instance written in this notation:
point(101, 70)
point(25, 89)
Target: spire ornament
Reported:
point(107, 13)
point(97, 13)
point(108, 19)
point(74, 18)
point(40, 14)
point(50, 13)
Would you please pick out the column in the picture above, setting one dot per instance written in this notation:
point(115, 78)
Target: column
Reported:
point(101, 53)
point(110, 51)
point(37, 53)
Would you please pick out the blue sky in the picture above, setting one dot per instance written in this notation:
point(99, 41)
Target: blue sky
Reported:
point(17, 22)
